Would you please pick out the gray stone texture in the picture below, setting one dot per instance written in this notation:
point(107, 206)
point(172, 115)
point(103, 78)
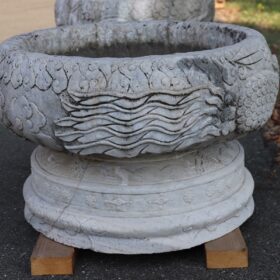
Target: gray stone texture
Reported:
point(144, 205)
point(84, 11)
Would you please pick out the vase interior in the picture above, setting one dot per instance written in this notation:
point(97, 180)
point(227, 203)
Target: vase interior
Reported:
point(134, 40)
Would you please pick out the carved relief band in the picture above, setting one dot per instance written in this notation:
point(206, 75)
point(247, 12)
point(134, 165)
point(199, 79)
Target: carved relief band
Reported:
point(136, 101)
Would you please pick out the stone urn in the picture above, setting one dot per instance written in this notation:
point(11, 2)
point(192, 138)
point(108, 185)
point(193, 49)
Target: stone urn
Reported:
point(84, 11)
point(135, 123)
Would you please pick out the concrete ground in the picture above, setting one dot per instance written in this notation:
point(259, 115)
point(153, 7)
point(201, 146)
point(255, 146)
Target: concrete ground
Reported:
point(17, 238)
point(262, 231)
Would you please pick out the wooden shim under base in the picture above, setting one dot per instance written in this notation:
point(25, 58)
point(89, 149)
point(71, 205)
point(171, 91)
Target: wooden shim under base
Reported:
point(229, 251)
point(52, 258)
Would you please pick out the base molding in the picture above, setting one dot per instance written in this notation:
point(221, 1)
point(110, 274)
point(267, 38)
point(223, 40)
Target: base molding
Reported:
point(150, 204)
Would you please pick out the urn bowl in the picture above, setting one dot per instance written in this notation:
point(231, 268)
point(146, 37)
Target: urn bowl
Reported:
point(132, 88)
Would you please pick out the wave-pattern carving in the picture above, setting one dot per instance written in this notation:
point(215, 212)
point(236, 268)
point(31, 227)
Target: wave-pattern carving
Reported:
point(120, 125)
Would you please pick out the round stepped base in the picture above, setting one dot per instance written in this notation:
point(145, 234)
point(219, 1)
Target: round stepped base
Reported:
point(144, 205)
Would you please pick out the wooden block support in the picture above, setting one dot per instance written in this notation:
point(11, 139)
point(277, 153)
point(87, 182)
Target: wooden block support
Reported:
point(229, 251)
point(52, 258)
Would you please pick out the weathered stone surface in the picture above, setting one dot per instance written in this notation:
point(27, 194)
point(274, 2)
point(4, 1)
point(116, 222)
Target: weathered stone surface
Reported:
point(126, 89)
point(144, 205)
point(84, 11)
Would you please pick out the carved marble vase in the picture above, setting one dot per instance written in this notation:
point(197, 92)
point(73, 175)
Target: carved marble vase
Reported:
point(84, 11)
point(136, 123)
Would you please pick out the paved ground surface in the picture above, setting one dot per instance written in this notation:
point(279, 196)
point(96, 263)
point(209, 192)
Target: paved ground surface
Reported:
point(262, 231)
point(20, 16)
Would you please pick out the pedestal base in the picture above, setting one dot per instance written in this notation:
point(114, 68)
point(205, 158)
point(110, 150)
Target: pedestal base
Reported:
point(149, 204)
